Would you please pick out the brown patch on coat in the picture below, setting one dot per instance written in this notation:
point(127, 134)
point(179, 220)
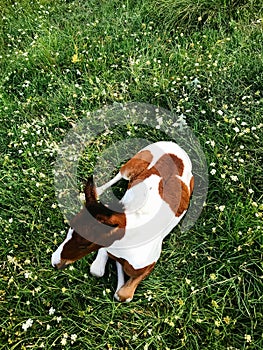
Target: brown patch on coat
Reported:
point(169, 165)
point(136, 165)
point(192, 184)
point(127, 291)
point(166, 166)
point(175, 193)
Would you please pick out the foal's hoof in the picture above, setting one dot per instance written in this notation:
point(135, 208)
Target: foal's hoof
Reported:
point(122, 297)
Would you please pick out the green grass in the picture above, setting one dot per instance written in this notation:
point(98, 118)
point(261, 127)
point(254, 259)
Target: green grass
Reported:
point(61, 59)
point(195, 14)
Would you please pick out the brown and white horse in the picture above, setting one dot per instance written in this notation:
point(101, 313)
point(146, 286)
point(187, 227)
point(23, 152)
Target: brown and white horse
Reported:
point(159, 189)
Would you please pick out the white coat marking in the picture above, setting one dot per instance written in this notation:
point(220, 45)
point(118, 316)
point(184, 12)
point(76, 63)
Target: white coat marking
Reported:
point(56, 256)
point(97, 268)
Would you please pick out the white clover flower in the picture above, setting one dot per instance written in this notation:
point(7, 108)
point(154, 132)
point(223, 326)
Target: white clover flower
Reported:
point(213, 171)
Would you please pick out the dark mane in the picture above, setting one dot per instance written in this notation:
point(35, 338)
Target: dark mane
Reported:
point(98, 209)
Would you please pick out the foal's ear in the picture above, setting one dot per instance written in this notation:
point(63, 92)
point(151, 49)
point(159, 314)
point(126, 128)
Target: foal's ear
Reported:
point(90, 191)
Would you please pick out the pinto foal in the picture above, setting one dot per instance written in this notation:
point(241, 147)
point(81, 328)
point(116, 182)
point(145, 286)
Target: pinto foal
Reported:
point(159, 189)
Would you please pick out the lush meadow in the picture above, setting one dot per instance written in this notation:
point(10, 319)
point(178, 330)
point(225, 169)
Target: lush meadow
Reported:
point(61, 59)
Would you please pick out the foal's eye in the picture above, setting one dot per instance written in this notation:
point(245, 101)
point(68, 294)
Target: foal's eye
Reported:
point(82, 246)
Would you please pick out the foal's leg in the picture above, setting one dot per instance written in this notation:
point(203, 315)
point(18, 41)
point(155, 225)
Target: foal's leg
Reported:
point(120, 276)
point(126, 292)
point(97, 268)
point(104, 187)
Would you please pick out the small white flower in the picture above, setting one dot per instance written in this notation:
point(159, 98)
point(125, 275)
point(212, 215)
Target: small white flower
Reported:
point(250, 191)
point(236, 129)
point(212, 143)
point(27, 324)
point(73, 338)
point(27, 274)
point(220, 112)
point(213, 171)
point(59, 318)
point(160, 120)
point(248, 338)
point(222, 207)
point(234, 178)
point(11, 259)
point(63, 341)
point(51, 311)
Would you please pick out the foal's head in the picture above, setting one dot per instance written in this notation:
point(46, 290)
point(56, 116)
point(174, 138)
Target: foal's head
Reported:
point(93, 227)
